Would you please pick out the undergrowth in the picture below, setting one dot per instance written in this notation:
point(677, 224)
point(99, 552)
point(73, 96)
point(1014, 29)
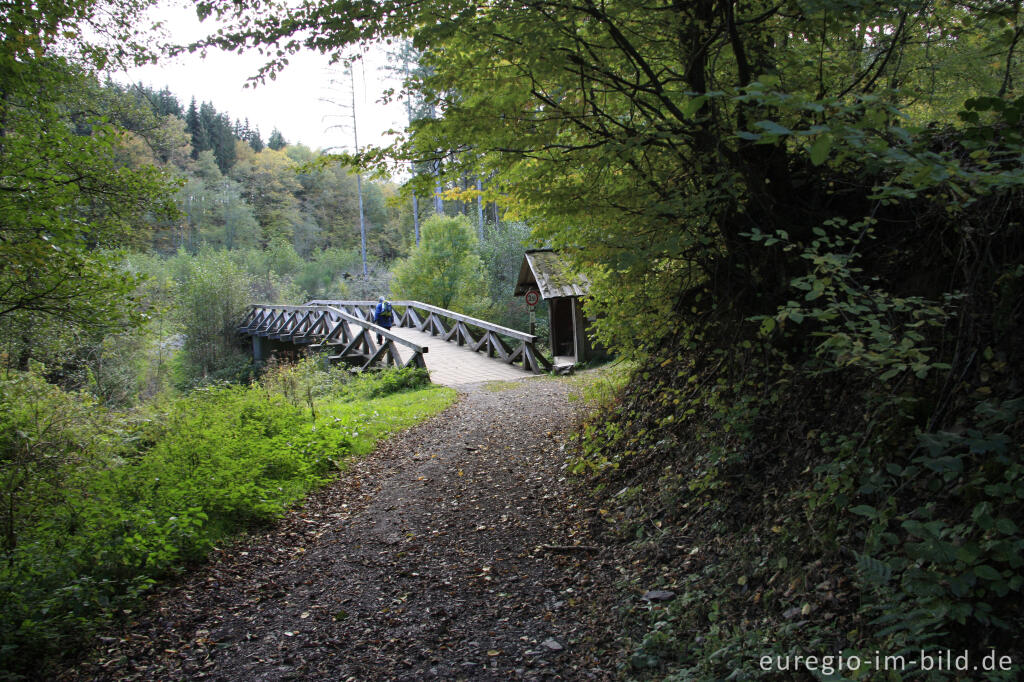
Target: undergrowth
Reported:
point(836, 472)
point(794, 518)
point(98, 505)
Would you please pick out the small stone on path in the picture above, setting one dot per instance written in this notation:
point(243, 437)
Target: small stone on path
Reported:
point(552, 643)
point(658, 595)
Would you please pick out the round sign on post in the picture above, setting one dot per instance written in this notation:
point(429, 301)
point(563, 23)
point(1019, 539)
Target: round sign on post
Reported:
point(532, 298)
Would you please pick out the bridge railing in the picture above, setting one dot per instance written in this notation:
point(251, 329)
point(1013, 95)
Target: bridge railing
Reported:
point(509, 345)
point(351, 338)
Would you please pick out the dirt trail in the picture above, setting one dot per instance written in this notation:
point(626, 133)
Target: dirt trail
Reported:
point(440, 556)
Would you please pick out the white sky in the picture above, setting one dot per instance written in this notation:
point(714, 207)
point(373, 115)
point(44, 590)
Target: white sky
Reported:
point(292, 103)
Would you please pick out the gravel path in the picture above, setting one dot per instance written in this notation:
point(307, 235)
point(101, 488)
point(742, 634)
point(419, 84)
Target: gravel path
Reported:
point(447, 554)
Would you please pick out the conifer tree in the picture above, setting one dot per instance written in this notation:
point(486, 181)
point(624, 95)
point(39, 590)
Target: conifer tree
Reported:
point(196, 129)
point(276, 141)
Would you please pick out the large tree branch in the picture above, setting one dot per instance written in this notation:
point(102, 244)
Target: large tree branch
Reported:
point(637, 59)
point(739, 50)
point(882, 57)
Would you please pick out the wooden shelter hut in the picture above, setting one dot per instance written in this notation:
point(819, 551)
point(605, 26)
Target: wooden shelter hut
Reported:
point(545, 271)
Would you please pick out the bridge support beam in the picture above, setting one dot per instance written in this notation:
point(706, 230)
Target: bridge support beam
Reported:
point(260, 349)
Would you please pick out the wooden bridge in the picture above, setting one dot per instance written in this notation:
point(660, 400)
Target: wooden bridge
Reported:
point(462, 349)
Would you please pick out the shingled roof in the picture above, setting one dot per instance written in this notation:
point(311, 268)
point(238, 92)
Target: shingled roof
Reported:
point(545, 270)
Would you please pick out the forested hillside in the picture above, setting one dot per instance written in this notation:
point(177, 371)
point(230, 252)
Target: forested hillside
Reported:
point(803, 220)
point(230, 220)
point(238, 192)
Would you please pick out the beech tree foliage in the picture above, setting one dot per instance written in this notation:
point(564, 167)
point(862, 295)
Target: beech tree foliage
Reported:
point(65, 193)
point(444, 268)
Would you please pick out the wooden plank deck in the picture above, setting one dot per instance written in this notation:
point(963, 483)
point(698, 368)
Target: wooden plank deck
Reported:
point(452, 365)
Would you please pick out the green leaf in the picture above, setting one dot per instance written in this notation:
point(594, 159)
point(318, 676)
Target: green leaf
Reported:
point(865, 510)
point(773, 127)
point(873, 570)
point(1006, 526)
point(944, 464)
point(986, 572)
point(967, 553)
point(694, 105)
point(821, 148)
point(817, 289)
point(915, 528)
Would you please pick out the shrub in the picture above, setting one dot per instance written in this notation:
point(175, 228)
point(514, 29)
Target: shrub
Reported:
point(389, 381)
point(213, 296)
point(99, 506)
point(444, 269)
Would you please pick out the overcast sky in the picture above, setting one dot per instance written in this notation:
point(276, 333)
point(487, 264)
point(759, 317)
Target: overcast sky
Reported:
point(292, 103)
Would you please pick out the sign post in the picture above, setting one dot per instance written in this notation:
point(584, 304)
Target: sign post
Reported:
point(532, 298)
